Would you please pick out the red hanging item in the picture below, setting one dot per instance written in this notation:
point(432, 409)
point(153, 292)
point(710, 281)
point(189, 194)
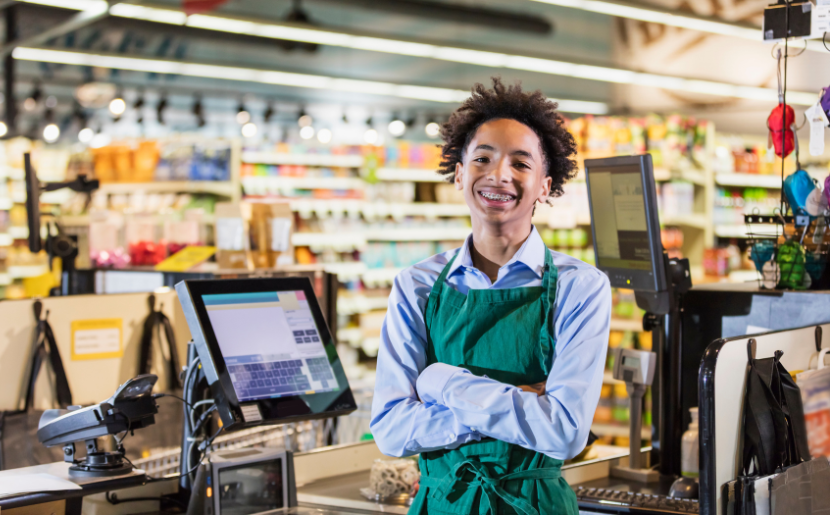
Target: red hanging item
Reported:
point(200, 6)
point(776, 125)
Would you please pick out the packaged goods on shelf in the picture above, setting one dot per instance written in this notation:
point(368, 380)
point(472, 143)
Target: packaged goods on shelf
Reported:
point(142, 161)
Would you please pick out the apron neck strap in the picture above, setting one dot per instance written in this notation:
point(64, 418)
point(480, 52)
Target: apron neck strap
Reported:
point(435, 292)
point(547, 343)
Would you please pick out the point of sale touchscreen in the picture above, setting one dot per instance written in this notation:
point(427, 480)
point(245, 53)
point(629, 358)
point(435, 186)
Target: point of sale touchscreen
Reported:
point(271, 345)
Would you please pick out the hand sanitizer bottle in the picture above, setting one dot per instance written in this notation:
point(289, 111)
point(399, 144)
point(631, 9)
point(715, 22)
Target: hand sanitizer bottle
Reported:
point(689, 454)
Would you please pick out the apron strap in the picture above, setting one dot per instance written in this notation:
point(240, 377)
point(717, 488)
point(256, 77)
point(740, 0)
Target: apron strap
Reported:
point(435, 293)
point(491, 487)
point(547, 343)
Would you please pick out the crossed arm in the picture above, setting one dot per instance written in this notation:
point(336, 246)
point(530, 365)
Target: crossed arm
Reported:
point(418, 408)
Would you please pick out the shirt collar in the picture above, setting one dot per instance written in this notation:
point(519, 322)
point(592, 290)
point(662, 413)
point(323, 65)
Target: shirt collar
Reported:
point(531, 254)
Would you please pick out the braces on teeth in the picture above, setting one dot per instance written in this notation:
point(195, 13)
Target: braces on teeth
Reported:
point(495, 196)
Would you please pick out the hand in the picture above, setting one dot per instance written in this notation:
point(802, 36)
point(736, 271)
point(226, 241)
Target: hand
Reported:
point(538, 388)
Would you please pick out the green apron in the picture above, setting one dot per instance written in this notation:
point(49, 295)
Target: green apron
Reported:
point(505, 334)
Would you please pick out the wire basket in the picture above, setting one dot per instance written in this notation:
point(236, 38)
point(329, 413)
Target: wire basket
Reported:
point(789, 252)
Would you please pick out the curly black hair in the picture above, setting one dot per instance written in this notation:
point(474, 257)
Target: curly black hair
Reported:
point(510, 102)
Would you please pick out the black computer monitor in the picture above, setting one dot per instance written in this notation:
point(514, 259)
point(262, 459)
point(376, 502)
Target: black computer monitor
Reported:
point(624, 222)
point(32, 204)
point(265, 349)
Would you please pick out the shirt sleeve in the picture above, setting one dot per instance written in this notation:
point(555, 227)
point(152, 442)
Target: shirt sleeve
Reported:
point(557, 423)
point(401, 424)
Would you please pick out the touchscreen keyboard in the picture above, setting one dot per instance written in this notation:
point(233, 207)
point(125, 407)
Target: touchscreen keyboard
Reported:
point(320, 370)
point(263, 379)
point(635, 502)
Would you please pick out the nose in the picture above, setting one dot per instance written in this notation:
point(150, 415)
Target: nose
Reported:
point(502, 173)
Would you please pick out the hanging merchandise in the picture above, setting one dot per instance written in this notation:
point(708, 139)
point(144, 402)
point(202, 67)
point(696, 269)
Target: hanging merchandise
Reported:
point(818, 120)
point(776, 124)
point(774, 433)
point(761, 252)
point(797, 189)
point(153, 325)
point(827, 188)
point(18, 428)
point(791, 263)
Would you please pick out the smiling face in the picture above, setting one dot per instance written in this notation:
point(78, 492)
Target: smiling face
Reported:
point(503, 175)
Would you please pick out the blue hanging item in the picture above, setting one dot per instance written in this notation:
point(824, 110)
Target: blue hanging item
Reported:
point(761, 252)
point(797, 187)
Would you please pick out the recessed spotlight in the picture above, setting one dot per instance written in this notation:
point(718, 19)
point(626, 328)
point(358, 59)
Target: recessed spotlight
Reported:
point(85, 135)
point(305, 120)
point(4, 129)
point(51, 133)
point(370, 136)
point(323, 135)
point(397, 127)
point(249, 130)
point(432, 129)
point(307, 132)
point(118, 106)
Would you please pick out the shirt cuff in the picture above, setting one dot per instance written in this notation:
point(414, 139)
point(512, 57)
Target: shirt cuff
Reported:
point(433, 379)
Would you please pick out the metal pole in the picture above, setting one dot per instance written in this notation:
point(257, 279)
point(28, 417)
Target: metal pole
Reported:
point(9, 70)
point(635, 398)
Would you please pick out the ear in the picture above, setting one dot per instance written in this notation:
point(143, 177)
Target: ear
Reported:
point(458, 179)
point(545, 189)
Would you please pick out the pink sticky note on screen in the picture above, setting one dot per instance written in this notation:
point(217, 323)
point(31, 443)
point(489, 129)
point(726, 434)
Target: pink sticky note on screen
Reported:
point(300, 295)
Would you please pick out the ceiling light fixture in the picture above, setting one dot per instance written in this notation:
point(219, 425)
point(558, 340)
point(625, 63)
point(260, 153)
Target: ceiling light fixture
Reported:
point(249, 130)
point(117, 106)
point(85, 135)
point(370, 136)
point(160, 108)
point(51, 133)
point(4, 129)
point(280, 78)
point(432, 129)
point(242, 114)
point(485, 58)
point(304, 119)
point(397, 127)
point(199, 111)
point(307, 132)
point(269, 112)
point(655, 15)
point(324, 136)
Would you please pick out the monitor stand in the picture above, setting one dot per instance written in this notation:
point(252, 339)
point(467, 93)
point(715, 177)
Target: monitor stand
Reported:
point(662, 318)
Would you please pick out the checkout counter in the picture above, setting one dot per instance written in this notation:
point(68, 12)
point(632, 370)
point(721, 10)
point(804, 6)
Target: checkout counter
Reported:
point(235, 370)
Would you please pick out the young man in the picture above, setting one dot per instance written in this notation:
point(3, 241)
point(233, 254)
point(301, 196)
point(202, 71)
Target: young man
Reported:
point(492, 355)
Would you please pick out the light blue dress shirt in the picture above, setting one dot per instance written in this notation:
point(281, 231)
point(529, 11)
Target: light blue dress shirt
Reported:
point(457, 407)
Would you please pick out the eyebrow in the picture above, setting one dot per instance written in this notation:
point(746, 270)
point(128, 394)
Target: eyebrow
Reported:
point(523, 153)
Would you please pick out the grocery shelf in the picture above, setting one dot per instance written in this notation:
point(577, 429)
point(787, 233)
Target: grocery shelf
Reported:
point(17, 232)
point(741, 230)
point(425, 234)
point(350, 240)
point(618, 431)
point(371, 209)
point(334, 161)
point(224, 188)
point(380, 276)
point(693, 176)
point(359, 239)
point(743, 276)
point(748, 180)
point(5, 239)
point(5, 279)
point(350, 305)
point(622, 324)
point(6, 203)
point(409, 174)
point(257, 185)
point(695, 220)
point(22, 271)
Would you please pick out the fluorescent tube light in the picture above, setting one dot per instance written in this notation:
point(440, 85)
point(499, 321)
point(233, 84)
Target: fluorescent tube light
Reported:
point(463, 55)
point(299, 80)
point(77, 5)
point(498, 59)
point(664, 18)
